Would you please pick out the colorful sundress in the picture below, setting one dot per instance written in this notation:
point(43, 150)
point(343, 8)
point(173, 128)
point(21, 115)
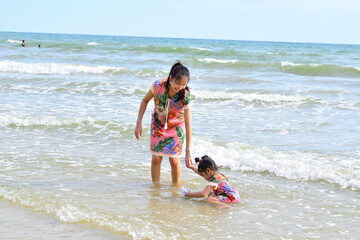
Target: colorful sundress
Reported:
point(224, 190)
point(167, 122)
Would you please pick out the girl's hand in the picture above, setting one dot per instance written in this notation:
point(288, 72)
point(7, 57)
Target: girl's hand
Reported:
point(193, 168)
point(184, 191)
point(138, 131)
point(188, 160)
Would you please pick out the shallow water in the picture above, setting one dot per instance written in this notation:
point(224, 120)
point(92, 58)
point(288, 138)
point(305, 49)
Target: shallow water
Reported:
point(280, 119)
point(22, 223)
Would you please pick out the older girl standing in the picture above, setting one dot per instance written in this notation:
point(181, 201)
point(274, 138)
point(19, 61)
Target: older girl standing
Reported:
point(170, 123)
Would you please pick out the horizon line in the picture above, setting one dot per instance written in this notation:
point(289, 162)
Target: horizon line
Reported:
point(183, 38)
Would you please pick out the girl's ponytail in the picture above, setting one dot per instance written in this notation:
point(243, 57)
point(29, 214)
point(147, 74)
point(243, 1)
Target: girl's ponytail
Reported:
point(206, 162)
point(178, 63)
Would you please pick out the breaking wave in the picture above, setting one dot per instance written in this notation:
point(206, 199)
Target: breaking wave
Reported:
point(284, 66)
point(253, 97)
point(55, 68)
point(302, 166)
point(13, 41)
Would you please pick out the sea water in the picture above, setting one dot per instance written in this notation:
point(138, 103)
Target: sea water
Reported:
point(281, 120)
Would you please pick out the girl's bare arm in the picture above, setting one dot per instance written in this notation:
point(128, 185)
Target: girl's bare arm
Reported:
point(203, 193)
point(138, 129)
point(188, 161)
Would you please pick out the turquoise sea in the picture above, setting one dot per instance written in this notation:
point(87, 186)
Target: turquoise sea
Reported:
point(282, 120)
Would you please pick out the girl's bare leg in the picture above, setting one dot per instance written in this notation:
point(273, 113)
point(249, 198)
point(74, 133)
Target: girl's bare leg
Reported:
point(216, 200)
point(175, 170)
point(156, 168)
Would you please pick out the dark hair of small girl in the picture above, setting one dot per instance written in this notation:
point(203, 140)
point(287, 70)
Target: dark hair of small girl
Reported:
point(206, 162)
point(177, 72)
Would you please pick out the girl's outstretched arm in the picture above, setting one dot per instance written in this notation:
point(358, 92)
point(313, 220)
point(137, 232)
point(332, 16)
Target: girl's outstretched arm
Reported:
point(187, 115)
point(203, 193)
point(195, 169)
point(142, 109)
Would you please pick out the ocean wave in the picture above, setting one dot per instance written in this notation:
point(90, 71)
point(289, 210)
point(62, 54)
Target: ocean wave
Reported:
point(13, 41)
point(68, 47)
point(87, 88)
point(168, 49)
point(55, 68)
point(159, 49)
point(82, 124)
point(253, 97)
point(229, 63)
point(294, 165)
point(92, 43)
point(26, 121)
point(73, 69)
point(189, 51)
point(283, 66)
point(319, 69)
point(211, 60)
point(150, 73)
point(276, 53)
point(202, 49)
point(69, 212)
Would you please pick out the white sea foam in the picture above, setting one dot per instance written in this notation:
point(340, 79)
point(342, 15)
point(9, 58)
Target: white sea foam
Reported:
point(101, 89)
point(251, 97)
point(202, 49)
point(13, 41)
point(272, 53)
point(54, 68)
point(291, 64)
point(92, 43)
point(213, 60)
point(26, 121)
point(113, 128)
point(315, 68)
point(150, 73)
point(284, 64)
point(303, 166)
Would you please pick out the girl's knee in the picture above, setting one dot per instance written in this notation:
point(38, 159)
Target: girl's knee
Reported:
point(174, 162)
point(156, 159)
point(212, 199)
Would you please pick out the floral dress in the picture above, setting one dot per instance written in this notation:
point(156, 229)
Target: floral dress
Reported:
point(224, 190)
point(167, 122)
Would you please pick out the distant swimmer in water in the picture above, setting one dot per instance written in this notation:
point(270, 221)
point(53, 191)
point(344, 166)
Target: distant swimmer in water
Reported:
point(23, 43)
point(39, 46)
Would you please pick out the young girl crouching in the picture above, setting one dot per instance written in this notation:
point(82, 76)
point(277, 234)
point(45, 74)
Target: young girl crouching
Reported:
point(218, 189)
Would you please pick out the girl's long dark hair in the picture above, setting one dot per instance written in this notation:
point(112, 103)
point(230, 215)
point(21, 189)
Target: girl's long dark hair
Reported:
point(177, 72)
point(206, 162)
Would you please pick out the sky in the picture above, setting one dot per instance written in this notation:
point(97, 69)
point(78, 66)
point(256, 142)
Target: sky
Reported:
point(316, 21)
